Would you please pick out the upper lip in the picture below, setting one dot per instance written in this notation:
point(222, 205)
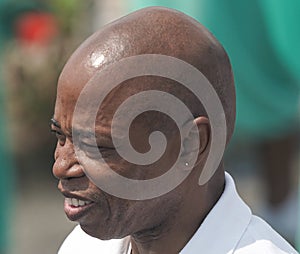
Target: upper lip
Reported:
point(72, 195)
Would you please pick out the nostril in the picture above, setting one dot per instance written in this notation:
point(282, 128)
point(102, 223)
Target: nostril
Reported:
point(65, 168)
point(76, 171)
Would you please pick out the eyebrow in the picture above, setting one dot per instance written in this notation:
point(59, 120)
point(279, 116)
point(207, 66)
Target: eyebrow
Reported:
point(55, 123)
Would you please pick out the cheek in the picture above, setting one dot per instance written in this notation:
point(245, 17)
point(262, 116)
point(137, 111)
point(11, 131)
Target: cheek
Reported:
point(123, 167)
point(134, 171)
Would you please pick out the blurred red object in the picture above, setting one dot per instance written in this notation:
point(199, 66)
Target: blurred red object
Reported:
point(36, 28)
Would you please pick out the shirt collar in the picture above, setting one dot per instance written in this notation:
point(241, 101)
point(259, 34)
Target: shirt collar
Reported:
point(224, 226)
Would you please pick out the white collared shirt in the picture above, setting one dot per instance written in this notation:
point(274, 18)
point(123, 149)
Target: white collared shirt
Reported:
point(229, 228)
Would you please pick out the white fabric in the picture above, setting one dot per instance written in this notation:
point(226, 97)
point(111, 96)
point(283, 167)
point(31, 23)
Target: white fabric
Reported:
point(229, 228)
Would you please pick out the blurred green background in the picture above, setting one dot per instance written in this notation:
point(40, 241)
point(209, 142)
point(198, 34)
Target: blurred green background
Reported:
point(36, 39)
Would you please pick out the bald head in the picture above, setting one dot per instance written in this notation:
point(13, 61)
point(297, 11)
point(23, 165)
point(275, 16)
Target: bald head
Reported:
point(149, 31)
point(157, 30)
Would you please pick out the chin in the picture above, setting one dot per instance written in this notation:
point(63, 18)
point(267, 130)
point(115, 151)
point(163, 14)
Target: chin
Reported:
point(100, 232)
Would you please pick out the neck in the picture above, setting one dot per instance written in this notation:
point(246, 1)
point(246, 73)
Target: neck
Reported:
point(174, 233)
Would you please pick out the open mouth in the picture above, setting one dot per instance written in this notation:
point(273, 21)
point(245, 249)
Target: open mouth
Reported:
point(76, 208)
point(77, 202)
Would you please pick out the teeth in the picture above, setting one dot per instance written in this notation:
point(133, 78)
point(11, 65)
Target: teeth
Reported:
point(77, 202)
point(69, 201)
point(74, 202)
point(81, 202)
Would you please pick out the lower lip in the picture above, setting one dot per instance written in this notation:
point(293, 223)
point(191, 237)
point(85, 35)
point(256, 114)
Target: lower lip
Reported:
point(75, 213)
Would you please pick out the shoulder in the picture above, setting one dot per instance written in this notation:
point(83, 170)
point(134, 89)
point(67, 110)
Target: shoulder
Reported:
point(80, 242)
point(260, 237)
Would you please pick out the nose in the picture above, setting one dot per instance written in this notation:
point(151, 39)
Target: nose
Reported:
point(66, 164)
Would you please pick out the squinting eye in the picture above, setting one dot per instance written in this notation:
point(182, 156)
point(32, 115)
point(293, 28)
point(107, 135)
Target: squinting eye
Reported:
point(61, 137)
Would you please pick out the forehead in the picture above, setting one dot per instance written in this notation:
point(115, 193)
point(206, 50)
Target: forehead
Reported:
point(97, 51)
point(72, 84)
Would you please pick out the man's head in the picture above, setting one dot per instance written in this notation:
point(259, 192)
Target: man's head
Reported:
point(148, 31)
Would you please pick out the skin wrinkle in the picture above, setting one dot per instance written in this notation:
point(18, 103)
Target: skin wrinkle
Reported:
point(164, 224)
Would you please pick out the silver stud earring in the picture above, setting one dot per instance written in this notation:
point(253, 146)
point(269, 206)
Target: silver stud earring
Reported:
point(186, 164)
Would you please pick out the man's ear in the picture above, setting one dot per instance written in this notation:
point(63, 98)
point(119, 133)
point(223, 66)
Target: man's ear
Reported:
point(196, 141)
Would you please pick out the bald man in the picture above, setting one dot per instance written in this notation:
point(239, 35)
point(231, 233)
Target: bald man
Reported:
point(192, 216)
